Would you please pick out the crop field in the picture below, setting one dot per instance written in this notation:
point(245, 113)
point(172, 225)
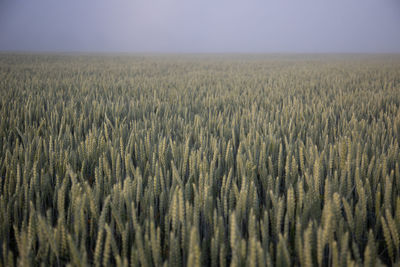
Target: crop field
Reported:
point(199, 160)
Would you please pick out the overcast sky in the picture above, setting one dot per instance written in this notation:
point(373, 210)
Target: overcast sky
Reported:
point(204, 26)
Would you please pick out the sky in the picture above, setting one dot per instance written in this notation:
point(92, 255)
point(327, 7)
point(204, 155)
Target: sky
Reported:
point(201, 26)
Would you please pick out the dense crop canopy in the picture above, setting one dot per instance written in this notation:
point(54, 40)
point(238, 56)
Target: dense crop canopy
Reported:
point(199, 160)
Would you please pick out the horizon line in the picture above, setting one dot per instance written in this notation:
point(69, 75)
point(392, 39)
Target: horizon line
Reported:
point(85, 52)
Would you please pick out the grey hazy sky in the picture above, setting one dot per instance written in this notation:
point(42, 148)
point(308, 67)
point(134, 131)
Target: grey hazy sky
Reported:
point(200, 25)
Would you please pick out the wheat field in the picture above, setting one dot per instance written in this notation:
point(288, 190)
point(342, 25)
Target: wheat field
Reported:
point(199, 160)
